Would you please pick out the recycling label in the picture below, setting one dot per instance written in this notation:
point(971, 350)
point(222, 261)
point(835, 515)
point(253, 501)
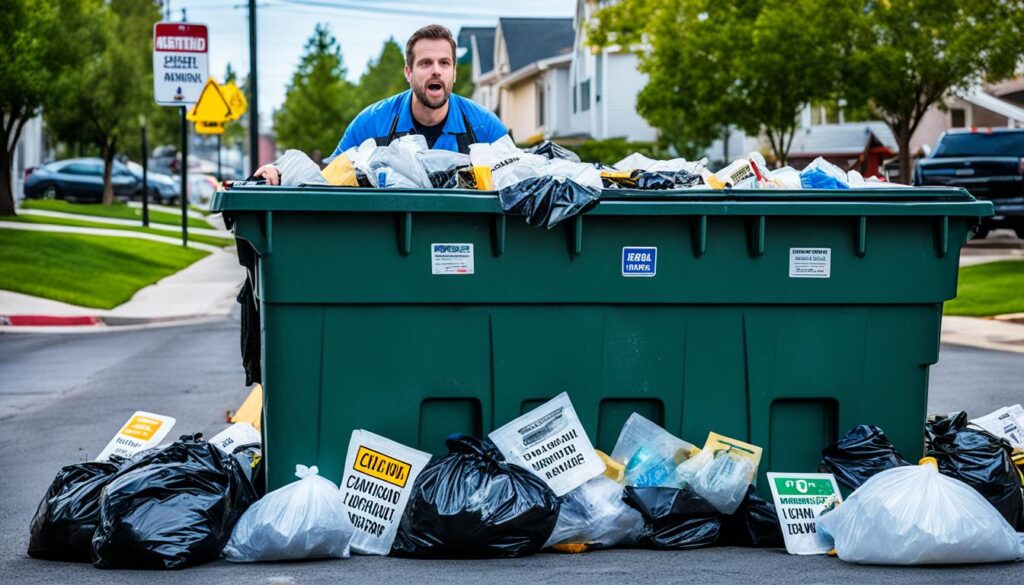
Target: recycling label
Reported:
point(800, 499)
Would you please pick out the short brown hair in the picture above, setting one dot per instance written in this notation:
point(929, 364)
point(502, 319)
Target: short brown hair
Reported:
point(432, 32)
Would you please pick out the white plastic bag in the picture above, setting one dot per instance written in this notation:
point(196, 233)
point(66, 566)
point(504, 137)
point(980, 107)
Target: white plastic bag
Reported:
point(442, 160)
point(639, 161)
point(594, 514)
point(305, 519)
point(508, 164)
point(914, 515)
point(398, 165)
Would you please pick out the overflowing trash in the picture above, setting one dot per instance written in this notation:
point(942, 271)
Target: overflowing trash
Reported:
point(473, 503)
point(305, 519)
point(594, 516)
point(859, 454)
point(979, 459)
point(172, 508)
point(914, 515)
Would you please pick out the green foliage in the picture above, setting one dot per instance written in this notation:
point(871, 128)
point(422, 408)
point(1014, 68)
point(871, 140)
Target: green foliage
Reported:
point(90, 271)
point(103, 99)
point(989, 289)
point(320, 102)
point(42, 44)
point(753, 64)
point(906, 55)
point(384, 76)
point(612, 150)
point(464, 80)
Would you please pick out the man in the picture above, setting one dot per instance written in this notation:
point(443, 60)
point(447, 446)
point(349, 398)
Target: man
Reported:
point(448, 122)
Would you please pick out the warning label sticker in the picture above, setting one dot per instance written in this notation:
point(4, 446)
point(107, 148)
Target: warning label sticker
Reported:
point(381, 466)
point(810, 262)
point(451, 258)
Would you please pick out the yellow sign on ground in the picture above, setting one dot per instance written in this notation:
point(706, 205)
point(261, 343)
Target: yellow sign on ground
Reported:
point(251, 410)
point(235, 98)
point(211, 107)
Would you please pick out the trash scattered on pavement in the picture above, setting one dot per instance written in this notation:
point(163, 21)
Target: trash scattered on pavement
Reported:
point(594, 516)
point(306, 519)
point(859, 454)
point(914, 515)
point(473, 503)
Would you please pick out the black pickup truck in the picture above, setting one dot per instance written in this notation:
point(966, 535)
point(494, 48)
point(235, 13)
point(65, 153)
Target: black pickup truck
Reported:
point(989, 163)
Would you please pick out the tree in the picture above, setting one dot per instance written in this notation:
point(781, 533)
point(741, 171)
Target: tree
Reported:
point(908, 55)
point(42, 43)
point(464, 79)
point(384, 76)
point(113, 88)
point(754, 64)
point(319, 102)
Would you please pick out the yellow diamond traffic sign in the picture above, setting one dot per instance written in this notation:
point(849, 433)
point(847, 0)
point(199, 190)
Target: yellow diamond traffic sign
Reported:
point(211, 107)
point(235, 98)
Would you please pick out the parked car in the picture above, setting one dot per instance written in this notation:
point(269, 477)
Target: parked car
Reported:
point(201, 189)
point(79, 180)
point(163, 189)
point(989, 163)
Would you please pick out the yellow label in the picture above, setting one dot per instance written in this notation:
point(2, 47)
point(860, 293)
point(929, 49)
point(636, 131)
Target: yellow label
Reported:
point(382, 467)
point(718, 442)
point(142, 427)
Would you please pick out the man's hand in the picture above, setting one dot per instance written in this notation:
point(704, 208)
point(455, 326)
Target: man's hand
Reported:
point(270, 173)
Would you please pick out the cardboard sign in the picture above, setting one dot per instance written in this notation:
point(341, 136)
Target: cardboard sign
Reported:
point(378, 478)
point(550, 441)
point(237, 435)
point(142, 431)
point(800, 499)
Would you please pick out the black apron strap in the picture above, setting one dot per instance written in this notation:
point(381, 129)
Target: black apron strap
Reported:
point(391, 135)
point(464, 139)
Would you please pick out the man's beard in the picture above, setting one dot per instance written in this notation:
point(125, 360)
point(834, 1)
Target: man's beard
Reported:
point(421, 95)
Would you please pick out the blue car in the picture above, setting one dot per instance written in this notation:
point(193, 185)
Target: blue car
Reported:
point(163, 188)
point(79, 180)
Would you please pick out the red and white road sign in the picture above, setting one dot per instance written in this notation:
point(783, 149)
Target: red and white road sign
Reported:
point(180, 62)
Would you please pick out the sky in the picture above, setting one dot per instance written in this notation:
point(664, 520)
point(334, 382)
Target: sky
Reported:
point(360, 26)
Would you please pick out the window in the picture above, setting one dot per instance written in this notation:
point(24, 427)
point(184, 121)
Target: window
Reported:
point(957, 118)
point(540, 105)
point(77, 169)
point(585, 95)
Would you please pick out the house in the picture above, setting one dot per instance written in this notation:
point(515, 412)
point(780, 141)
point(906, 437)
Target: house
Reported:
point(860, 146)
point(478, 43)
point(998, 106)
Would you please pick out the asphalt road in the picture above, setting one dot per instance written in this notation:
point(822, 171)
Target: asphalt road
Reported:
point(61, 396)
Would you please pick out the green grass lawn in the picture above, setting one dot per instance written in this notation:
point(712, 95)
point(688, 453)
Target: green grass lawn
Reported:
point(192, 237)
point(996, 288)
point(115, 210)
point(91, 271)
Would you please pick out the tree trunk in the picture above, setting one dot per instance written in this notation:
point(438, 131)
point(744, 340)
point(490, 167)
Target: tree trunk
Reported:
point(6, 189)
point(906, 171)
point(108, 168)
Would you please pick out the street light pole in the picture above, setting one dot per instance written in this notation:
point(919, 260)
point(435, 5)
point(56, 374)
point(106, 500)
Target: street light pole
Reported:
point(145, 174)
point(254, 105)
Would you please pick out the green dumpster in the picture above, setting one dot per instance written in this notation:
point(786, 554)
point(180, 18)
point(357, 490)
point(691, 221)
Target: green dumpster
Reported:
point(778, 318)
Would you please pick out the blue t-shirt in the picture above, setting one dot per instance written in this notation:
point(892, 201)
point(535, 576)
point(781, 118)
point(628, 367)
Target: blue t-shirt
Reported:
point(393, 116)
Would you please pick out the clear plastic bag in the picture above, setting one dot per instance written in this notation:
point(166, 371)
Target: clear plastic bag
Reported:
point(821, 174)
point(508, 164)
point(595, 514)
point(649, 452)
point(398, 165)
point(305, 519)
point(913, 515)
point(723, 480)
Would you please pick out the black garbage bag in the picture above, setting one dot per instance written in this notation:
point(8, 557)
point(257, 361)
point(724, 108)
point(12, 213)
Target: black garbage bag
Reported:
point(548, 201)
point(67, 516)
point(551, 151)
point(979, 459)
point(861, 453)
point(473, 504)
point(650, 180)
point(171, 509)
point(754, 524)
point(675, 519)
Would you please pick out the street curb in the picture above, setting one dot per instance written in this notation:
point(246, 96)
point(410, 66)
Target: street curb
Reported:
point(104, 325)
point(48, 321)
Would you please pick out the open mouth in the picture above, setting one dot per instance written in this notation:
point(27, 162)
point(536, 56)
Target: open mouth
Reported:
point(435, 87)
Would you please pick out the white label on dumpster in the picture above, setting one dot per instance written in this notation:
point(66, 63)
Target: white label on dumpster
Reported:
point(810, 262)
point(800, 499)
point(379, 475)
point(451, 258)
point(237, 435)
point(142, 431)
point(550, 441)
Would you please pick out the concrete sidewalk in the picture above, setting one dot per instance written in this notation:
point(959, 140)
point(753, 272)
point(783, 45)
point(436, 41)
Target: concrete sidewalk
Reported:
point(206, 289)
point(210, 231)
point(67, 229)
point(983, 333)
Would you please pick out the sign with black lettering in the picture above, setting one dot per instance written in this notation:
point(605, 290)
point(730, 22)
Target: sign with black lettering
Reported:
point(550, 441)
point(379, 475)
point(800, 499)
point(180, 62)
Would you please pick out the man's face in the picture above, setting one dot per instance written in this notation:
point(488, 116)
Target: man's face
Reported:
point(432, 73)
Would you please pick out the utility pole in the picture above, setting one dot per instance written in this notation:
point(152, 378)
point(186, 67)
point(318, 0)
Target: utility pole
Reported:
point(254, 105)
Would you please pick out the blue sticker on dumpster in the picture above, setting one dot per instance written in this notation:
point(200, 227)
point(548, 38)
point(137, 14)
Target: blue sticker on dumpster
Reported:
point(639, 261)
